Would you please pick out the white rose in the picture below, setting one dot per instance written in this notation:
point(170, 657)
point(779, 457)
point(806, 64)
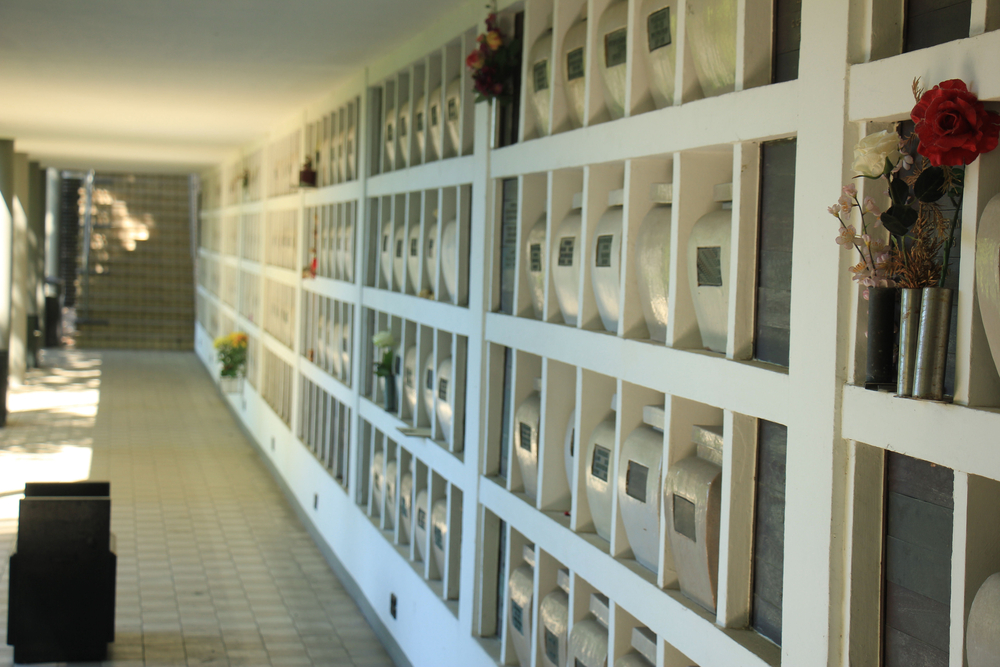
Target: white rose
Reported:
point(871, 153)
point(383, 339)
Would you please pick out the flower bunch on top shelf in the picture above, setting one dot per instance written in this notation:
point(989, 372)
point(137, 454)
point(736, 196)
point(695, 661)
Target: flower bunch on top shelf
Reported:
point(952, 128)
point(384, 342)
point(232, 350)
point(495, 62)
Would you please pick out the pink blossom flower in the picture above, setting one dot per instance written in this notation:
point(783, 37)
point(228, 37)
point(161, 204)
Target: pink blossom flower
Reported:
point(847, 237)
point(872, 207)
point(850, 190)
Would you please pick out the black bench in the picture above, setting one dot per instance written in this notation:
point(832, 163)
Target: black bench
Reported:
point(62, 574)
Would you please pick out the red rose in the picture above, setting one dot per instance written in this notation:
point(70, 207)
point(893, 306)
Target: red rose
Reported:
point(953, 125)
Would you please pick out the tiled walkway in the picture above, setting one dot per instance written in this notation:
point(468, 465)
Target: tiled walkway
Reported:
point(214, 568)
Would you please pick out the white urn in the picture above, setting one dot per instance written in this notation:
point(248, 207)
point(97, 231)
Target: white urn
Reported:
point(389, 139)
point(540, 71)
point(439, 532)
point(430, 248)
point(386, 252)
point(605, 261)
point(390, 494)
point(413, 256)
point(639, 490)
point(527, 419)
point(534, 264)
point(422, 521)
point(711, 34)
point(347, 245)
point(449, 259)
point(708, 254)
point(553, 623)
point(406, 505)
point(428, 384)
point(612, 31)
point(420, 123)
point(445, 399)
point(659, 48)
point(652, 253)
point(588, 642)
point(644, 653)
point(403, 133)
point(520, 591)
point(377, 473)
point(599, 466)
point(982, 636)
point(574, 53)
point(398, 257)
point(453, 113)
point(435, 118)
point(564, 258)
point(410, 379)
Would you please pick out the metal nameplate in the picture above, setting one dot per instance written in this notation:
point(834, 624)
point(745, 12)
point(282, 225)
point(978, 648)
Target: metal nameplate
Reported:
point(603, 258)
point(599, 464)
point(525, 436)
point(419, 121)
point(635, 481)
point(421, 518)
point(710, 267)
point(413, 247)
point(430, 379)
point(541, 74)
point(658, 29)
point(566, 245)
point(574, 64)
point(452, 109)
point(443, 389)
point(551, 646)
point(438, 538)
point(388, 131)
point(684, 518)
point(517, 617)
point(615, 51)
point(535, 257)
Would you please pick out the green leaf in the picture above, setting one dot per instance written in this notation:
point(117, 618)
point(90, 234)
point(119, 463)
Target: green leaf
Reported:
point(930, 185)
point(899, 191)
point(887, 169)
point(899, 219)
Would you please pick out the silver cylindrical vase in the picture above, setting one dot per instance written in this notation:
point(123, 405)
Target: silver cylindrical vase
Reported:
point(909, 327)
point(932, 343)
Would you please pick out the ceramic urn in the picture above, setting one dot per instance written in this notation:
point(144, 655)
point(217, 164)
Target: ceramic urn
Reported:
point(982, 636)
point(534, 265)
point(540, 71)
point(600, 488)
point(652, 253)
point(386, 252)
point(527, 419)
point(434, 120)
point(403, 133)
point(612, 31)
point(564, 258)
point(439, 532)
point(422, 520)
point(574, 53)
point(420, 123)
point(389, 139)
point(445, 399)
point(406, 506)
point(430, 245)
point(588, 643)
point(449, 259)
point(428, 384)
point(658, 19)
point(692, 501)
point(390, 494)
point(711, 36)
point(413, 257)
point(347, 244)
point(553, 623)
point(377, 481)
point(410, 380)
point(708, 270)
point(453, 114)
point(520, 590)
point(399, 258)
point(644, 650)
point(605, 261)
point(639, 490)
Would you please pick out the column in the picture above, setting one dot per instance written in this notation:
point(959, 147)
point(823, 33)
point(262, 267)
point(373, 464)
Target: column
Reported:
point(35, 287)
point(6, 264)
point(53, 305)
point(19, 297)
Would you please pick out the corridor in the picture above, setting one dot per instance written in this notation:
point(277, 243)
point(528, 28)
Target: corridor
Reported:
point(214, 568)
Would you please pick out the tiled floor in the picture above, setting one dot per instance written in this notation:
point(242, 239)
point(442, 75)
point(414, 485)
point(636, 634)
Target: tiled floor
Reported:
point(214, 568)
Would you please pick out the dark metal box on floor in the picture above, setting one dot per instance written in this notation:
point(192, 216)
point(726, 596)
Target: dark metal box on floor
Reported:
point(62, 574)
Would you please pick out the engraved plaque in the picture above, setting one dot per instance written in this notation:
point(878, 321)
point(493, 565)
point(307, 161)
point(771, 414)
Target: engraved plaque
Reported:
point(535, 260)
point(385, 243)
point(398, 365)
point(430, 380)
point(419, 121)
point(517, 617)
point(566, 244)
point(574, 64)
point(525, 436)
point(421, 518)
point(403, 512)
point(452, 109)
point(443, 389)
point(710, 266)
point(413, 247)
point(434, 115)
point(438, 537)
point(541, 73)
point(603, 258)
point(600, 462)
point(615, 52)
point(684, 511)
point(635, 481)
point(658, 29)
point(402, 127)
point(430, 247)
point(551, 646)
point(399, 248)
point(388, 131)
point(376, 486)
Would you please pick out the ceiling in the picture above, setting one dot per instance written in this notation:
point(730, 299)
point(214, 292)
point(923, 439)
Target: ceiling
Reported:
point(177, 85)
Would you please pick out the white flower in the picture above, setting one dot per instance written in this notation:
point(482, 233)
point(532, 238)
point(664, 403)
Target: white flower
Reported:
point(871, 153)
point(383, 339)
point(850, 190)
point(872, 207)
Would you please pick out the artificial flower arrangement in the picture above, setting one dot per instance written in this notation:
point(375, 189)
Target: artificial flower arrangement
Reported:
point(384, 343)
point(952, 129)
point(232, 350)
point(495, 62)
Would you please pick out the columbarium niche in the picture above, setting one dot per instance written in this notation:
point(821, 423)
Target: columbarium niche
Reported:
point(574, 53)
point(565, 262)
point(445, 399)
point(434, 123)
point(453, 113)
point(600, 489)
point(386, 252)
point(429, 248)
point(708, 270)
point(428, 384)
point(553, 622)
point(422, 522)
point(527, 419)
point(540, 71)
point(520, 591)
point(612, 34)
point(652, 252)
point(711, 33)
point(449, 259)
point(692, 498)
point(399, 257)
point(588, 643)
point(377, 481)
point(413, 256)
point(606, 261)
point(534, 265)
point(982, 638)
point(659, 48)
point(569, 448)
point(639, 475)
point(403, 132)
point(420, 124)
point(406, 505)
point(390, 138)
point(439, 532)
point(644, 650)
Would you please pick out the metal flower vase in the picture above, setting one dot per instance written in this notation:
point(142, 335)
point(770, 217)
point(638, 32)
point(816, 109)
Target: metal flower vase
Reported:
point(909, 328)
point(231, 384)
point(932, 343)
point(880, 373)
point(389, 392)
